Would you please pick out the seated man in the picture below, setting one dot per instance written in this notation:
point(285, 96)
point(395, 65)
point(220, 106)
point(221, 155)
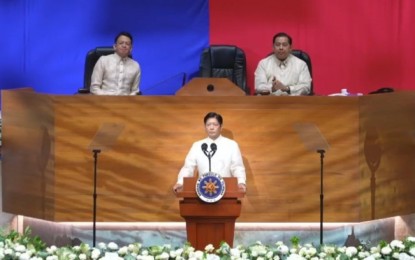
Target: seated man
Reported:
point(117, 74)
point(282, 73)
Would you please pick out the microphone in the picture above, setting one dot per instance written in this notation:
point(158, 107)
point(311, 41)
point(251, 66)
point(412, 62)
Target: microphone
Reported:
point(204, 149)
point(213, 148)
point(210, 87)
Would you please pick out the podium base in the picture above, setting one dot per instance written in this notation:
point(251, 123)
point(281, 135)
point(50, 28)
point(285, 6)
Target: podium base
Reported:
point(210, 223)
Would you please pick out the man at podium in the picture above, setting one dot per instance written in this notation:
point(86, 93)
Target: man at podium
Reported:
point(215, 153)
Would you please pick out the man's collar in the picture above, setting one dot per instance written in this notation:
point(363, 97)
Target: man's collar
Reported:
point(119, 57)
point(211, 140)
point(283, 63)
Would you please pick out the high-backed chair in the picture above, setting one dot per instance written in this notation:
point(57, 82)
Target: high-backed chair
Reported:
point(306, 58)
point(91, 59)
point(224, 61)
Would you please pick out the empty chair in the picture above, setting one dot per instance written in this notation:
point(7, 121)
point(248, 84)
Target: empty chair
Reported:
point(224, 61)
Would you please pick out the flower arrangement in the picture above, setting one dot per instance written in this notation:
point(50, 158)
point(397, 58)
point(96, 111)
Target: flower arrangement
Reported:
point(22, 246)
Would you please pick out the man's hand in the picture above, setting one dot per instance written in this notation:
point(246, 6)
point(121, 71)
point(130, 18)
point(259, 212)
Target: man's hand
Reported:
point(177, 188)
point(277, 85)
point(242, 187)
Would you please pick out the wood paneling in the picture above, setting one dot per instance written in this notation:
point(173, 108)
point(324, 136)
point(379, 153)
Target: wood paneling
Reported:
point(48, 168)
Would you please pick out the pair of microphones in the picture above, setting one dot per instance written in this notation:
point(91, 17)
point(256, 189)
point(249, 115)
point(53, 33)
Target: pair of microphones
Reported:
point(213, 149)
point(209, 154)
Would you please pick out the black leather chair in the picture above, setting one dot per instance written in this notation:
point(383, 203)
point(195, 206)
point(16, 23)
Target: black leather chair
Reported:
point(91, 59)
point(306, 58)
point(224, 61)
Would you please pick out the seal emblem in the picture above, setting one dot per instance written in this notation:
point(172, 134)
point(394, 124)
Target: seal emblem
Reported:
point(210, 187)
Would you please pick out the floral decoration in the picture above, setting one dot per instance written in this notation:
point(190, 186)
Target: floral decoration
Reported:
point(24, 247)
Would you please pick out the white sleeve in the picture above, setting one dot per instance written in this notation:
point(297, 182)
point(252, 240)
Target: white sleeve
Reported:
point(189, 165)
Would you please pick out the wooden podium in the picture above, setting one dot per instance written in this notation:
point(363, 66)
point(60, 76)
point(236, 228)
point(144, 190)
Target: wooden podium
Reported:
point(210, 223)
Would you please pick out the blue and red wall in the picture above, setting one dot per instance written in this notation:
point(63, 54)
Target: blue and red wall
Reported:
point(354, 44)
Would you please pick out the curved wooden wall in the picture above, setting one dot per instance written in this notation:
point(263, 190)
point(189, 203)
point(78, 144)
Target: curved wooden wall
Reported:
point(48, 168)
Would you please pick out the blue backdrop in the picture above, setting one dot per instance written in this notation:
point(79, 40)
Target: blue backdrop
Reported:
point(43, 43)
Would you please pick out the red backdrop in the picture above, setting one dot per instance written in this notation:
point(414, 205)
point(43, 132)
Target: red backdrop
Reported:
point(361, 45)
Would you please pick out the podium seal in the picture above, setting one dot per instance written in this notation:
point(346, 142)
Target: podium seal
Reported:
point(210, 187)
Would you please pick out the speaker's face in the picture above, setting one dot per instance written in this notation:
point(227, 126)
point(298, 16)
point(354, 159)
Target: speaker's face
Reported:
point(282, 47)
point(213, 128)
point(123, 46)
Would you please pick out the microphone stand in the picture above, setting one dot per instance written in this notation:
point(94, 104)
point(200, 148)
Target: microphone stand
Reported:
point(321, 152)
point(209, 156)
point(96, 152)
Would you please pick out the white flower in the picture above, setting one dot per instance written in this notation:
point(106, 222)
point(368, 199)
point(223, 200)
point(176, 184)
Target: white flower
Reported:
point(209, 248)
point(351, 251)
point(95, 253)
point(395, 255)
point(235, 252)
point(377, 255)
point(283, 249)
point(404, 256)
point(411, 239)
point(102, 246)
point(269, 254)
point(374, 250)
point(24, 256)
point(412, 251)
point(19, 248)
point(51, 250)
point(363, 254)
point(134, 247)
point(329, 250)
point(371, 257)
point(386, 250)
point(342, 249)
point(112, 246)
point(312, 251)
point(179, 251)
point(212, 257)
point(279, 243)
point(111, 256)
point(123, 250)
point(144, 253)
point(295, 257)
point(163, 256)
point(199, 254)
point(8, 251)
point(396, 244)
point(276, 257)
point(82, 256)
point(52, 257)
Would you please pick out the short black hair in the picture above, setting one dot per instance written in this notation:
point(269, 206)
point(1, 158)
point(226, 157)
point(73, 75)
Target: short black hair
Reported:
point(127, 34)
point(213, 115)
point(282, 34)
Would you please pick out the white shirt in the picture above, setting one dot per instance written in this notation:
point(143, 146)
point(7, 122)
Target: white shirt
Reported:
point(293, 72)
point(114, 75)
point(227, 161)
